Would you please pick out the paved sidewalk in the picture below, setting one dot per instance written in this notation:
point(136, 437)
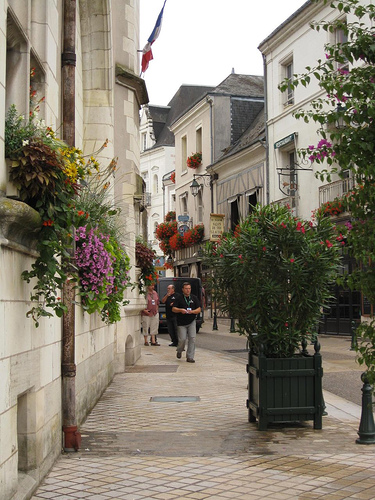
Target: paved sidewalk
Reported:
point(137, 447)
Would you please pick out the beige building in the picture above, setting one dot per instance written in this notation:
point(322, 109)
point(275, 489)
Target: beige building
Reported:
point(108, 96)
point(220, 126)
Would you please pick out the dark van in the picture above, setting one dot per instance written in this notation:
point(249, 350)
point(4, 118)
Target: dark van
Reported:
point(161, 288)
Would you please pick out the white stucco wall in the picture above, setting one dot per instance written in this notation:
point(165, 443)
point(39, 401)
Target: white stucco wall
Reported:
point(297, 41)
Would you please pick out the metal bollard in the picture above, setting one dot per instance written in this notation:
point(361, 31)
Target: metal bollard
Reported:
point(353, 344)
point(366, 430)
point(214, 325)
point(232, 328)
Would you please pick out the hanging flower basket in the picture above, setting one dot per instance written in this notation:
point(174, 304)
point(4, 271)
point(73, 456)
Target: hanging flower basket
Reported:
point(170, 216)
point(176, 242)
point(194, 235)
point(173, 177)
point(194, 161)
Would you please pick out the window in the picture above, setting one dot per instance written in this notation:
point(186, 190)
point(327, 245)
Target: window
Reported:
point(184, 153)
point(199, 207)
point(183, 204)
point(198, 140)
point(287, 72)
point(234, 214)
point(252, 200)
point(144, 141)
point(155, 184)
point(289, 174)
point(341, 37)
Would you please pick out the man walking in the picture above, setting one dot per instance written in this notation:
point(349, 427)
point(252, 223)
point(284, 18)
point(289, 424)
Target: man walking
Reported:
point(187, 306)
point(169, 299)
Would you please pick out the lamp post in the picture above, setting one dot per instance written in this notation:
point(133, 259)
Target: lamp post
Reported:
point(195, 187)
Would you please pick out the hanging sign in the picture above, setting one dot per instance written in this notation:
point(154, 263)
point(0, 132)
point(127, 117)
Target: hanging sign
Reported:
point(216, 226)
point(284, 142)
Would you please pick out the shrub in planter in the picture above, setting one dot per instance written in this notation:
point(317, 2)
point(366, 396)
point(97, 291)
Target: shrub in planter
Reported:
point(274, 274)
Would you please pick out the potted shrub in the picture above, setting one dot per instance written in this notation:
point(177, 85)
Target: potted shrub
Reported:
point(274, 274)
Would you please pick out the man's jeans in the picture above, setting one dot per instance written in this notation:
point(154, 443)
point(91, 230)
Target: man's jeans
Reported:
point(172, 329)
point(188, 332)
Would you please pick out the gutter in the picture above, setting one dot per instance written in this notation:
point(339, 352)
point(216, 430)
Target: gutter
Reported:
point(72, 438)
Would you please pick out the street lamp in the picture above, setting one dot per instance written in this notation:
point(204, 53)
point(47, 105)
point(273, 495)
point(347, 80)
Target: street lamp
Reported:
point(195, 186)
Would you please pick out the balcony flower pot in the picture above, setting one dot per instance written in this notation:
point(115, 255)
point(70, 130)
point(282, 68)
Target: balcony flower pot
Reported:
point(194, 161)
point(273, 274)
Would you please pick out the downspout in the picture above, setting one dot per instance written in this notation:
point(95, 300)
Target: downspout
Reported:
point(72, 438)
point(211, 103)
point(266, 130)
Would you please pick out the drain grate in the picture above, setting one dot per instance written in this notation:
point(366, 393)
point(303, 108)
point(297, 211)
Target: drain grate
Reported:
point(174, 399)
point(236, 350)
point(151, 369)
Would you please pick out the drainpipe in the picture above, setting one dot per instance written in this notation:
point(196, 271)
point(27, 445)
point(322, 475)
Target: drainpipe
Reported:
point(72, 438)
point(266, 129)
point(211, 103)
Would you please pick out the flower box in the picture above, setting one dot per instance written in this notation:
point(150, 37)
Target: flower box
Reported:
point(194, 161)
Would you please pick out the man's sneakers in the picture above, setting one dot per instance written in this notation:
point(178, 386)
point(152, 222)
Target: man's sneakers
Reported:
point(190, 360)
point(178, 355)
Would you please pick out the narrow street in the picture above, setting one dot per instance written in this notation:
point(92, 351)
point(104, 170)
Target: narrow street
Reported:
point(167, 430)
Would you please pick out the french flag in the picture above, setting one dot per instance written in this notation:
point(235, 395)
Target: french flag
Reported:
point(147, 52)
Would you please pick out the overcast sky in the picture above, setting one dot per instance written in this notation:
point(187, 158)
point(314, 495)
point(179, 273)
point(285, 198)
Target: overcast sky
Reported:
point(202, 40)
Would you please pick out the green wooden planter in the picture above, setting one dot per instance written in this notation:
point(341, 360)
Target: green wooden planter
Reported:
point(285, 389)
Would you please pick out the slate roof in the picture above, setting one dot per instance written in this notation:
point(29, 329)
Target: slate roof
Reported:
point(164, 116)
point(246, 93)
point(241, 85)
point(254, 132)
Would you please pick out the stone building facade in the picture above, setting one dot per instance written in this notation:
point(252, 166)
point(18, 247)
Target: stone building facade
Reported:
point(108, 96)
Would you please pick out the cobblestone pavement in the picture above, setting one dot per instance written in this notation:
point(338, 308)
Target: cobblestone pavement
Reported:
point(138, 445)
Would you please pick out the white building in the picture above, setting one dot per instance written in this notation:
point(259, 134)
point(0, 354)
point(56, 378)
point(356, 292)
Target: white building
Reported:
point(287, 51)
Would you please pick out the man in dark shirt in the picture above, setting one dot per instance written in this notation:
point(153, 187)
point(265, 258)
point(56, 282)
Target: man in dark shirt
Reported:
point(169, 299)
point(187, 306)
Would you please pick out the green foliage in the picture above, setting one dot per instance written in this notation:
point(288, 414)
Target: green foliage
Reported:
point(366, 348)
point(274, 275)
point(69, 193)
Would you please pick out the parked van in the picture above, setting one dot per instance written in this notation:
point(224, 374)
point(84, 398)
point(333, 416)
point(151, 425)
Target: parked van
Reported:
point(161, 288)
